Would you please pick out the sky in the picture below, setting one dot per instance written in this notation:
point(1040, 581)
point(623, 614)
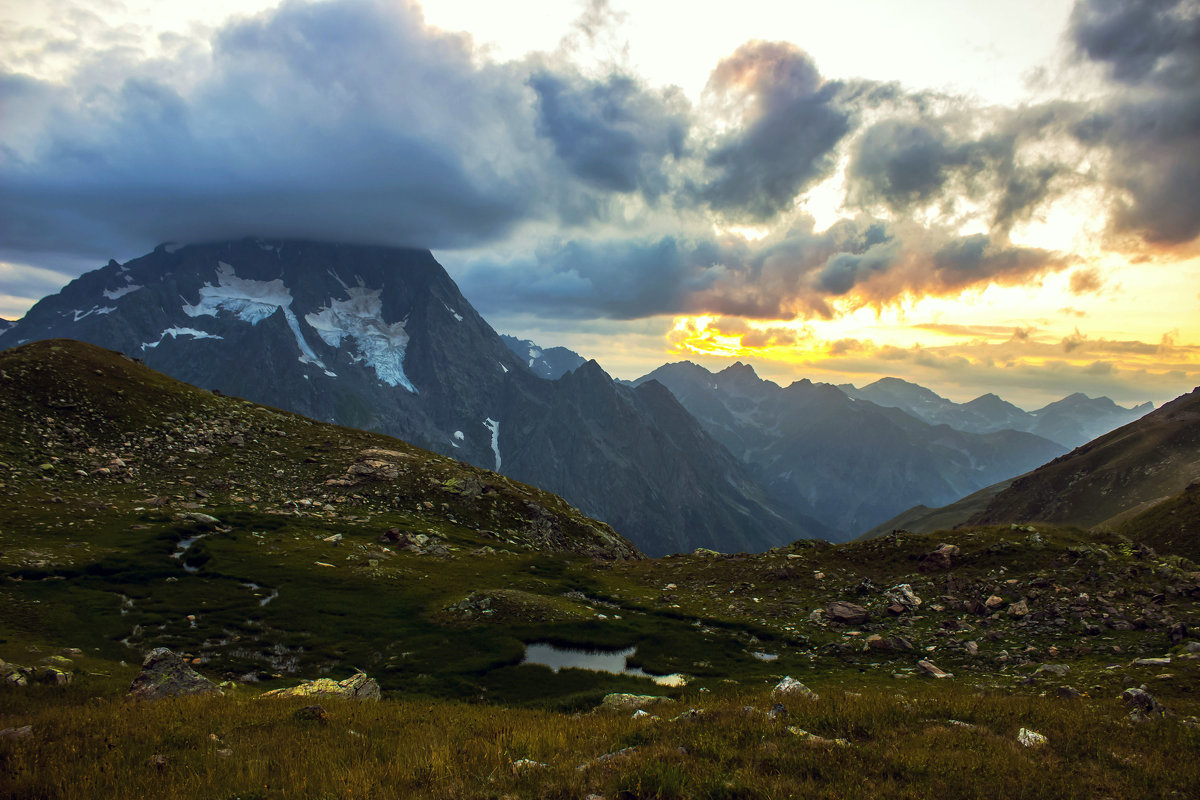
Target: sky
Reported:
point(975, 197)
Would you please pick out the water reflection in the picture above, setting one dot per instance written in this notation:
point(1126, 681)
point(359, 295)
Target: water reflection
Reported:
point(613, 661)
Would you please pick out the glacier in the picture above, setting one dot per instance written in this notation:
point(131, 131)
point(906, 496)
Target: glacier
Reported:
point(360, 318)
point(494, 426)
point(252, 301)
point(175, 333)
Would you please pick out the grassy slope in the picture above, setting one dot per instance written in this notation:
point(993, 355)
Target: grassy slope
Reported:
point(88, 571)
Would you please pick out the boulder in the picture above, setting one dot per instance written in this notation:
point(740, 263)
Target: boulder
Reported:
point(846, 613)
point(1018, 609)
point(356, 687)
point(1143, 703)
point(165, 674)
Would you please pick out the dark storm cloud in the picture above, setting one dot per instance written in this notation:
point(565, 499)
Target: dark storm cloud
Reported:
point(1151, 51)
point(321, 120)
point(786, 142)
point(612, 134)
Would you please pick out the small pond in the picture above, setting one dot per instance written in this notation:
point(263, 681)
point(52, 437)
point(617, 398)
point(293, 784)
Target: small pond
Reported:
point(613, 661)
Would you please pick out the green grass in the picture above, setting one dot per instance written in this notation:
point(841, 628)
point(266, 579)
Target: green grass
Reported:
point(900, 745)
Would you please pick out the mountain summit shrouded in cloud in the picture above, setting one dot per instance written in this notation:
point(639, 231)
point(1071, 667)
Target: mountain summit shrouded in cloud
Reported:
point(563, 189)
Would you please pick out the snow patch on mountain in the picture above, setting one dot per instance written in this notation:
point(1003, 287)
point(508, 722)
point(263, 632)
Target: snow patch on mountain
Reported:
point(454, 313)
point(93, 310)
point(175, 333)
point(115, 294)
point(494, 426)
point(360, 318)
point(252, 301)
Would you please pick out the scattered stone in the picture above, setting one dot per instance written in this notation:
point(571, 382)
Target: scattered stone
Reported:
point(640, 713)
point(846, 613)
point(877, 642)
point(993, 602)
point(932, 670)
point(972, 648)
point(158, 761)
point(1177, 632)
point(1030, 738)
point(790, 687)
point(334, 539)
point(525, 764)
point(312, 714)
point(356, 687)
point(1018, 609)
point(941, 558)
point(619, 701)
point(165, 674)
point(607, 757)
point(1067, 693)
point(903, 595)
point(23, 732)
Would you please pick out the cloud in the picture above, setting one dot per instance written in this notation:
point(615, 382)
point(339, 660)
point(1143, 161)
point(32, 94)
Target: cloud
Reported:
point(1150, 121)
point(611, 133)
point(789, 125)
point(1086, 280)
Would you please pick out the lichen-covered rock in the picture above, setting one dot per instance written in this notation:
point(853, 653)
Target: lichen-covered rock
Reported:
point(1029, 738)
point(165, 674)
point(356, 687)
point(903, 595)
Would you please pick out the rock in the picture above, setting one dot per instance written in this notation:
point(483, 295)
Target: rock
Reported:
point(932, 670)
point(903, 595)
point(1151, 662)
point(790, 687)
point(877, 642)
point(356, 687)
point(941, 558)
point(1030, 738)
point(1067, 693)
point(813, 740)
point(846, 613)
point(158, 761)
point(896, 609)
point(165, 674)
point(23, 732)
point(1177, 633)
point(58, 661)
point(525, 764)
point(52, 675)
point(312, 714)
point(619, 701)
point(1018, 609)
point(972, 648)
point(993, 602)
point(334, 539)
point(705, 552)
point(1057, 670)
point(1144, 704)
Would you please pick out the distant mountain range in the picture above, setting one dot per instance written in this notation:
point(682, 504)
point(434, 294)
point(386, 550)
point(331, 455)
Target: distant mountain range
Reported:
point(1138, 480)
point(853, 462)
point(1070, 421)
point(549, 362)
point(382, 339)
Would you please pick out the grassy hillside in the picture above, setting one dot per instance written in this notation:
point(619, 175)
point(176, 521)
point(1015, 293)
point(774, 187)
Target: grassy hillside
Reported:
point(139, 512)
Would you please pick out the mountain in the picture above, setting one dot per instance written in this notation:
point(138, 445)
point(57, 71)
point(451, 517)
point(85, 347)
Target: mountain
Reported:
point(849, 463)
point(545, 362)
point(1120, 474)
point(381, 339)
point(1072, 421)
point(5, 324)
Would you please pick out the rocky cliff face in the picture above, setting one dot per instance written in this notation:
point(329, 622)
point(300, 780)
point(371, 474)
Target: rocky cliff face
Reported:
point(382, 339)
